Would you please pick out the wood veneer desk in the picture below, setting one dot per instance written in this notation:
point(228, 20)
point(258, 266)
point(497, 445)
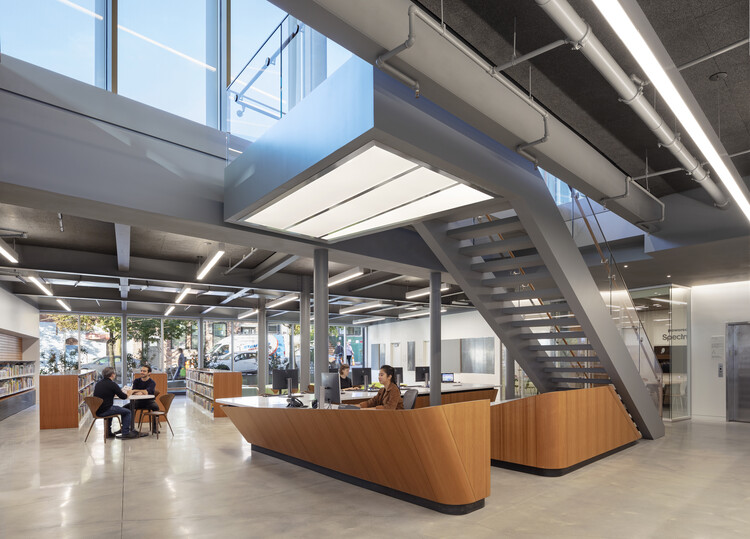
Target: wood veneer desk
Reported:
point(437, 457)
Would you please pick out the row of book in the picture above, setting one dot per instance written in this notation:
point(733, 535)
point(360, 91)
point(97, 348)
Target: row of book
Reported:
point(8, 370)
point(202, 402)
point(14, 385)
point(86, 379)
point(200, 376)
point(206, 391)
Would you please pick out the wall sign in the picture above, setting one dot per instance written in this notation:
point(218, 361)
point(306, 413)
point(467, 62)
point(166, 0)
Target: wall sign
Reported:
point(717, 347)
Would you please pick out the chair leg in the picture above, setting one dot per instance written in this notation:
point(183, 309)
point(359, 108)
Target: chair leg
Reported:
point(170, 425)
point(89, 432)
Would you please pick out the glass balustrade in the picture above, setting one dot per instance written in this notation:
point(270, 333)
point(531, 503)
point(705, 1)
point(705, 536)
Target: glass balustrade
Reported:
point(287, 67)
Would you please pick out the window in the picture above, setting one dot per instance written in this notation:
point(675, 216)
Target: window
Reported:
point(65, 36)
point(167, 56)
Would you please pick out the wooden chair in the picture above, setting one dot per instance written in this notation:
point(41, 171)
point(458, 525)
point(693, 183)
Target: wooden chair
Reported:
point(410, 399)
point(166, 402)
point(94, 403)
point(143, 410)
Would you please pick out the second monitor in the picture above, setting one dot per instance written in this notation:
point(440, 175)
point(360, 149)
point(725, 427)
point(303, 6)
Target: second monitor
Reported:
point(423, 374)
point(331, 383)
point(285, 379)
point(359, 374)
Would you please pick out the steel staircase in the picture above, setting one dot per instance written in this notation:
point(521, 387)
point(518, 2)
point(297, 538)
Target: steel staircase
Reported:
point(528, 279)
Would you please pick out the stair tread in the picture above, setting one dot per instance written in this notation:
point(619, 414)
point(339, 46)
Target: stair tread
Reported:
point(569, 359)
point(521, 278)
point(564, 321)
point(486, 228)
point(560, 347)
point(490, 247)
point(500, 264)
point(555, 335)
point(545, 294)
point(595, 370)
point(532, 309)
point(580, 380)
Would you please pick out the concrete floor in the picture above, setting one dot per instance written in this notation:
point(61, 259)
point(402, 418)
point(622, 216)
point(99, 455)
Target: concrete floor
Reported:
point(204, 482)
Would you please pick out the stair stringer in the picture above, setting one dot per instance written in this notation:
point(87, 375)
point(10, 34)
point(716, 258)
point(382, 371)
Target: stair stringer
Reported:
point(459, 266)
point(543, 223)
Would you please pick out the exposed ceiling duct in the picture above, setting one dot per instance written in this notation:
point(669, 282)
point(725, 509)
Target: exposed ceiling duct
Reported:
point(578, 30)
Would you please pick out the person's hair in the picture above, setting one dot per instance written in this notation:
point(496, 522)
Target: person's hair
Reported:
point(107, 372)
point(179, 350)
point(343, 368)
point(389, 371)
point(147, 366)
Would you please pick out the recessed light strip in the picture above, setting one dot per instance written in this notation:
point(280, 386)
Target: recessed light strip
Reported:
point(425, 291)
point(211, 261)
point(348, 275)
point(38, 281)
point(247, 314)
point(169, 310)
point(8, 252)
point(63, 305)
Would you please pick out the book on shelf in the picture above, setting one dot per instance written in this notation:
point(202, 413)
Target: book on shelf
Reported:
point(8, 370)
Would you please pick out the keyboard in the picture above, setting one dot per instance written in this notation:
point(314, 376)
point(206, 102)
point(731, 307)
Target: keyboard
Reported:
point(348, 407)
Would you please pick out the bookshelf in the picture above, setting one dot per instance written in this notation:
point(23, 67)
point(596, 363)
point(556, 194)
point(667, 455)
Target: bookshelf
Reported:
point(61, 398)
point(17, 388)
point(204, 386)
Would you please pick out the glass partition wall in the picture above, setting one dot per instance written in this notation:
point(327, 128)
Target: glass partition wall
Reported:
point(664, 312)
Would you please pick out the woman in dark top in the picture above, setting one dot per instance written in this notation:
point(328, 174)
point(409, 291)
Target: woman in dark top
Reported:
point(389, 396)
point(346, 382)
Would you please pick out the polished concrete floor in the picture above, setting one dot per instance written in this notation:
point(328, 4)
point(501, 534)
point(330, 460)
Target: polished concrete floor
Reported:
point(204, 482)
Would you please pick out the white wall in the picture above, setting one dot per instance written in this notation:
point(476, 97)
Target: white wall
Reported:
point(713, 306)
point(21, 319)
point(454, 326)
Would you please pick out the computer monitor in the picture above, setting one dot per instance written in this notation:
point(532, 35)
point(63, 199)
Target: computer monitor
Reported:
point(333, 368)
point(447, 377)
point(399, 375)
point(358, 376)
point(280, 379)
point(331, 383)
point(423, 374)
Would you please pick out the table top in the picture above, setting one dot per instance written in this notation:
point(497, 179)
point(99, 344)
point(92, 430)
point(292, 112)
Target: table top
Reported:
point(139, 397)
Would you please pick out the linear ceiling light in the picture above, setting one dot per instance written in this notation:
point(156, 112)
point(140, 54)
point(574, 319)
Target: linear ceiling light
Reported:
point(451, 198)
point(247, 314)
point(40, 283)
point(362, 307)
point(348, 275)
point(63, 305)
point(425, 291)
point(209, 309)
point(368, 320)
point(184, 292)
point(211, 261)
point(281, 301)
point(169, 310)
point(415, 314)
point(8, 252)
point(363, 188)
point(633, 40)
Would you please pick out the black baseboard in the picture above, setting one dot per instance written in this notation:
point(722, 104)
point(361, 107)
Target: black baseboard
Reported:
point(15, 403)
point(429, 504)
point(556, 472)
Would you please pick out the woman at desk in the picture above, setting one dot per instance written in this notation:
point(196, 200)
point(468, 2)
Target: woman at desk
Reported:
point(346, 382)
point(389, 396)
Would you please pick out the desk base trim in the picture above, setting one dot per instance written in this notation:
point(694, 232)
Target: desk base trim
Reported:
point(556, 472)
point(429, 504)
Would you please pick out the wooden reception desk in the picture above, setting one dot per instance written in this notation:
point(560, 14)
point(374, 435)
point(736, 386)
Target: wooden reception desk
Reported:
point(449, 394)
point(437, 457)
point(558, 432)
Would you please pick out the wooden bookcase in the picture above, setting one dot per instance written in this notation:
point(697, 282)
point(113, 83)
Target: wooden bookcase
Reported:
point(61, 404)
point(204, 386)
point(17, 390)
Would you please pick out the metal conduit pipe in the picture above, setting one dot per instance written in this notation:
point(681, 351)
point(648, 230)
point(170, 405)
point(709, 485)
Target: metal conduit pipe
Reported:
point(576, 29)
point(680, 169)
point(493, 71)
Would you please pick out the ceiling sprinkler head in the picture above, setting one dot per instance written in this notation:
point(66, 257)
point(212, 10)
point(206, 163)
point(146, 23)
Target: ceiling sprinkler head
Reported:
point(721, 75)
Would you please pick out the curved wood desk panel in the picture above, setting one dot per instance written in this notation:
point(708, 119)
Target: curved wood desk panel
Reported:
point(439, 455)
point(555, 433)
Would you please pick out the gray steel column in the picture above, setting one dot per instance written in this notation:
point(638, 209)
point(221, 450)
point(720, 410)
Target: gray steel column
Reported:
point(262, 347)
point(320, 277)
point(200, 344)
point(510, 377)
point(123, 348)
point(435, 359)
point(304, 334)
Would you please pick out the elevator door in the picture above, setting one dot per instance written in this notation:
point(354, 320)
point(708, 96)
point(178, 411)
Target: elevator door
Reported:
point(738, 372)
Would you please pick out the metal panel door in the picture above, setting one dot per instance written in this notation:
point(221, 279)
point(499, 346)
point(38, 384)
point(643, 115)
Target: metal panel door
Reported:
point(738, 372)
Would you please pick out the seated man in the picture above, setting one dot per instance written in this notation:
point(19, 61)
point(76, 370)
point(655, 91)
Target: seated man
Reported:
point(145, 385)
point(107, 389)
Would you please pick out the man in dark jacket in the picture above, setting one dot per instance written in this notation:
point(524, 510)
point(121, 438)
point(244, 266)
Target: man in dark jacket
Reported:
point(145, 385)
point(107, 389)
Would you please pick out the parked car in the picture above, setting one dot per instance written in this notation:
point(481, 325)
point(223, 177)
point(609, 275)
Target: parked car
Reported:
point(246, 362)
point(100, 363)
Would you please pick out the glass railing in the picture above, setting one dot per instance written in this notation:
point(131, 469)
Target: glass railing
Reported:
point(290, 64)
point(617, 298)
